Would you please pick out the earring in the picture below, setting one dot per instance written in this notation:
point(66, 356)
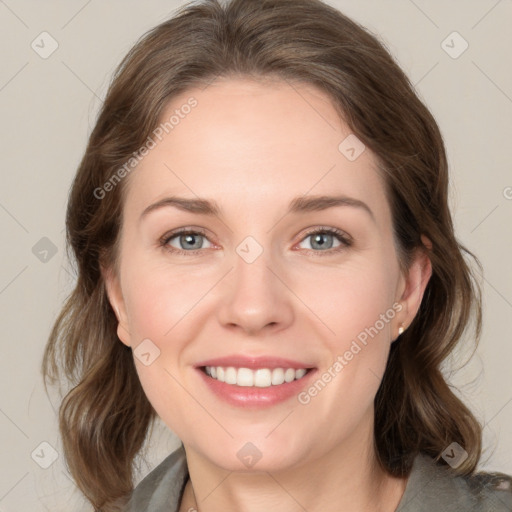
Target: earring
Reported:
point(400, 329)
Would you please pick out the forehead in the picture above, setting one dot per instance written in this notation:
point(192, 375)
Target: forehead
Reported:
point(253, 143)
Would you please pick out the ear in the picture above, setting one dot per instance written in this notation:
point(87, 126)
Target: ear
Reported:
point(115, 297)
point(412, 286)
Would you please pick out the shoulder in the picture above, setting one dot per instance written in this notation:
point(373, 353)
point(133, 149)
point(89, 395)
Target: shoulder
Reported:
point(432, 486)
point(162, 488)
point(492, 489)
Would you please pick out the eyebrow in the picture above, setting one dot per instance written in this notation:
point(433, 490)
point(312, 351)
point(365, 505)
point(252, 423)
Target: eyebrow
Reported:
point(301, 204)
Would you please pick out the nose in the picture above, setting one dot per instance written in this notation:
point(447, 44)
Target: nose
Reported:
point(255, 298)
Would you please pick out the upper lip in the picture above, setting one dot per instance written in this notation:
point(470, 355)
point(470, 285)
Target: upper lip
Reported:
point(241, 361)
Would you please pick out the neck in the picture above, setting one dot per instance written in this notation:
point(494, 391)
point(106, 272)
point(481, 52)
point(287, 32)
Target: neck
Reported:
point(347, 477)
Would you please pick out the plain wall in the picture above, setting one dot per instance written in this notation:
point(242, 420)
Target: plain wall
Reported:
point(49, 107)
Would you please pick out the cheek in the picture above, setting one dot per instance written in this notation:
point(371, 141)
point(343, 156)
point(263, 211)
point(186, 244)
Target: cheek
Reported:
point(159, 297)
point(351, 300)
point(357, 310)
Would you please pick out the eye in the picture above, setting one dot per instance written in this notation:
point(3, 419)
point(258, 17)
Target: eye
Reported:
point(188, 241)
point(322, 240)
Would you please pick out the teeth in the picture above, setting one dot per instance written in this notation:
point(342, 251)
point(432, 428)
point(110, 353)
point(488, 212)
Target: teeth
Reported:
point(260, 378)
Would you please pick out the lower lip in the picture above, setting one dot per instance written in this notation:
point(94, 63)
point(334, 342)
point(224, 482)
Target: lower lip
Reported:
point(255, 397)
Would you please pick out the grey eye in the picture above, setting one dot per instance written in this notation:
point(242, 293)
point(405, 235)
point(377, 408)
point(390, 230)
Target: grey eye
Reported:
point(187, 241)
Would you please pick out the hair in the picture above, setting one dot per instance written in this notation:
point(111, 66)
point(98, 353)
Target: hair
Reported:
point(105, 416)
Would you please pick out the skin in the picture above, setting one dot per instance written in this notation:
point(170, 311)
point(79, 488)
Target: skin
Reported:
point(253, 146)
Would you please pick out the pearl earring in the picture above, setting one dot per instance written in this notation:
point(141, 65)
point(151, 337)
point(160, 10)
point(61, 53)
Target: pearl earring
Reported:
point(400, 329)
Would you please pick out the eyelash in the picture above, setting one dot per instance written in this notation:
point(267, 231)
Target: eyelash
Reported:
point(340, 235)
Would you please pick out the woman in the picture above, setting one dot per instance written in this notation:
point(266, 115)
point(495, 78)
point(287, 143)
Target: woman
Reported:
point(267, 261)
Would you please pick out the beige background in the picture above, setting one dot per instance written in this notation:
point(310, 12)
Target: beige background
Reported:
point(49, 107)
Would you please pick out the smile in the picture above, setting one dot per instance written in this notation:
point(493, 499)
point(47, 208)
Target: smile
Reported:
point(260, 377)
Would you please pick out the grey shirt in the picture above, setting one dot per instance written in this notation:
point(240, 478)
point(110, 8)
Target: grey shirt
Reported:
point(430, 488)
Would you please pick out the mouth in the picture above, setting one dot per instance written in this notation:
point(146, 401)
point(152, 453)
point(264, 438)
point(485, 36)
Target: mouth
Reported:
point(253, 382)
point(254, 377)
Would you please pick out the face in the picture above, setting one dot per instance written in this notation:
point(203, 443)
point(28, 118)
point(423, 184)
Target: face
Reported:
point(278, 278)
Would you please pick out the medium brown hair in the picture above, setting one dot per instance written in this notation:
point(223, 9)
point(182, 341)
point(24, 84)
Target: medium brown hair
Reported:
point(105, 416)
